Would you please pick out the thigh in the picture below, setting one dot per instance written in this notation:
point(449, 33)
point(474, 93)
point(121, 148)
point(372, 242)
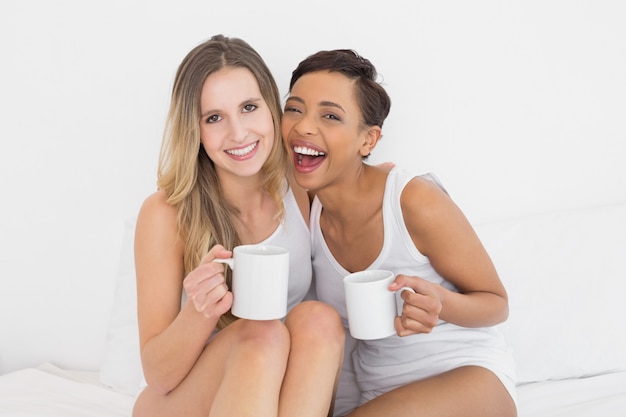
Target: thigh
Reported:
point(348, 393)
point(317, 344)
point(223, 358)
point(469, 391)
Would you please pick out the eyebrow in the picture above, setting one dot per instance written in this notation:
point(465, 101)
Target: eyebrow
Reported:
point(322, 103)
point(253, 100)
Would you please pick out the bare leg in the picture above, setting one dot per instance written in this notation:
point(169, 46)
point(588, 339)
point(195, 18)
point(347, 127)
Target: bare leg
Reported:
point(317, 340)
point(469, 391)
point(239, 373)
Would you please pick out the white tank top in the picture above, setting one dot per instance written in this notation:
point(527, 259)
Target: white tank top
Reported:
point(398, 253)
point(383, 364)
point(293, 234)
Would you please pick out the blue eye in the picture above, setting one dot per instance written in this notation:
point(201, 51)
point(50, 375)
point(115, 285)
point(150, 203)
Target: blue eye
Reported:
point(213, 118)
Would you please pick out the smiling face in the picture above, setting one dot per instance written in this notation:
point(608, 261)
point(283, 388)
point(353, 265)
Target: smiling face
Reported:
point(323, 130)
point(236, 125)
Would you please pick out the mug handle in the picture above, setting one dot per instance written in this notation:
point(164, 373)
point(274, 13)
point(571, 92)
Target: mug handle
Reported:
point(400, 301)
point(228, 261)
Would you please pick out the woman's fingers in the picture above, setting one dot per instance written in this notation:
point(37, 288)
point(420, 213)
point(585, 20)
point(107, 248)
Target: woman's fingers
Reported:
point(420, 312)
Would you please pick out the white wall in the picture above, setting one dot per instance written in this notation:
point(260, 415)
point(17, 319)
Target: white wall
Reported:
point(518, 106)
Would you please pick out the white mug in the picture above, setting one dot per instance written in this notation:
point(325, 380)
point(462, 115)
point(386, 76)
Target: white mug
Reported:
point(371, 307)
point(260, 281)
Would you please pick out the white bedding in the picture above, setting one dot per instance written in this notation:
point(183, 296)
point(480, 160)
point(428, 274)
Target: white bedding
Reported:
point(48, 391)
point(598, 396)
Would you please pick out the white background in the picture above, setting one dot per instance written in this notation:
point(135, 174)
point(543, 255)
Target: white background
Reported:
point(518, 107)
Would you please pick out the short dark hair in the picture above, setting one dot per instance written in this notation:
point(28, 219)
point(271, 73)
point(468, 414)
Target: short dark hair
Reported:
point(372, 98)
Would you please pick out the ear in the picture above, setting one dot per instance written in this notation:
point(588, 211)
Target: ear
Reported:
point(372, 136)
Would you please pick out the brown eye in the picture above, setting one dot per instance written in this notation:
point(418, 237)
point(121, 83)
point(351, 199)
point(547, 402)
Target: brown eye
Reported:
point(291, 109)
point(249, 108)
point(213, 118)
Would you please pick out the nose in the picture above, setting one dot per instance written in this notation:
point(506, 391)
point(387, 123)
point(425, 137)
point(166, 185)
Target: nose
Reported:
point(305, 125)
point(238, 130)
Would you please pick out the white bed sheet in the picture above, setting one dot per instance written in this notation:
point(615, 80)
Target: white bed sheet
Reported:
point(48, 391)
point(598, 396)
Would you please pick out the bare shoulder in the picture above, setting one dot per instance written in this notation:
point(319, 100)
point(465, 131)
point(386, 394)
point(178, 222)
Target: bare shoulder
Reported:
point(430, 214)
point(155, 208)
point(424, 197)
point(157, 225)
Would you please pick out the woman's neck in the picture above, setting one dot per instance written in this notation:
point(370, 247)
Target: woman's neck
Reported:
point(352, 198)
point(256, 217)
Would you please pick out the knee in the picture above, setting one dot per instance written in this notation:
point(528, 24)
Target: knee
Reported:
point(316, 323)
point(269, 337)
point(138, 407)
point(144, 404)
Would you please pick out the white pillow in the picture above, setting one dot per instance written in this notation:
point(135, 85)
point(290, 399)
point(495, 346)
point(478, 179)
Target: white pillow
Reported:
point(565, 274)
point(121, 368)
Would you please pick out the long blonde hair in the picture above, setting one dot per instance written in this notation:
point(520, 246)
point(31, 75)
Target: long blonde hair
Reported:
point(186, 173)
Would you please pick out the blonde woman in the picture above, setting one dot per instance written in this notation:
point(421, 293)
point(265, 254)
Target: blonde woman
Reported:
point(223, 181)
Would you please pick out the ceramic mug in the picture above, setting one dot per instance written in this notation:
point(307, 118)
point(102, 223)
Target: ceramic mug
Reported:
point(371, 307)
point(260, 281)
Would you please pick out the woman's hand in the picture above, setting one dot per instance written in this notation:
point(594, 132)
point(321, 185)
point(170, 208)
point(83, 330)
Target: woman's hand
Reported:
point(206, 286)
point(420, 313)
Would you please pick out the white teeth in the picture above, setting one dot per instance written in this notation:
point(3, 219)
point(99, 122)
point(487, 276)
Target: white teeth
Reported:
point(303, 150)
point(242, 151)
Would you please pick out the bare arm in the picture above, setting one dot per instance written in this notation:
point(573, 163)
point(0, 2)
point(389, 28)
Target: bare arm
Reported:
point(171, 337)
point(441, 232)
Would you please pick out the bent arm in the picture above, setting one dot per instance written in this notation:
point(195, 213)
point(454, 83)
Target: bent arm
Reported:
point(171, 337)
point(441, 232)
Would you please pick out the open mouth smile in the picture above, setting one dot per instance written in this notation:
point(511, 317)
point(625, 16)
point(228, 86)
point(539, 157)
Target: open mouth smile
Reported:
point(242, 152)
point(307, 158)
